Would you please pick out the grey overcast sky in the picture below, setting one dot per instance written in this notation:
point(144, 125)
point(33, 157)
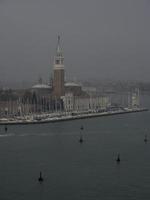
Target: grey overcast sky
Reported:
point(102, 39)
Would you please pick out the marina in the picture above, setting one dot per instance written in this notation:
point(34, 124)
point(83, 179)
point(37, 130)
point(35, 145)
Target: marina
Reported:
point(57, 117)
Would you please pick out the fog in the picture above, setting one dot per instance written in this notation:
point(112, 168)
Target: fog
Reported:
point(101, 39)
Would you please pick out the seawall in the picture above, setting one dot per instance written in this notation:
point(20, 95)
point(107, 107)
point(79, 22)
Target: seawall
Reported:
point(71, 117)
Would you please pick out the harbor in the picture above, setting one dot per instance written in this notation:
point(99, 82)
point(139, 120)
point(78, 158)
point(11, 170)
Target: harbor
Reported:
point(58, 117)
point(62, 99)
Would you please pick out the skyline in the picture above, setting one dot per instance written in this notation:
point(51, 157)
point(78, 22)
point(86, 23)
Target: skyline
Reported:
point(100, 40)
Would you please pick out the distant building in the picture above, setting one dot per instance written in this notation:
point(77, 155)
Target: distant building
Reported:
point(41, 89)
point(135, 100)
point(90, 90)
point(74, 88)
point(58, 81)
point(84, 103)
point(54, 97)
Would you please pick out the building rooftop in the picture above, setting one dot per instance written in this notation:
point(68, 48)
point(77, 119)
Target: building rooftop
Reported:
point(72, 84)
point(41, 86)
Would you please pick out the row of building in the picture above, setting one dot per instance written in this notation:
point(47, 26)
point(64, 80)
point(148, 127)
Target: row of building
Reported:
point(57, 96)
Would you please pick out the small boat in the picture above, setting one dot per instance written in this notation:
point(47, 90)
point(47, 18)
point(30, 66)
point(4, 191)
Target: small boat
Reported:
point(81, 139)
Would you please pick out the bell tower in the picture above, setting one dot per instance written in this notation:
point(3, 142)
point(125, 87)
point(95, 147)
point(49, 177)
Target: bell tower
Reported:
point(58, 69)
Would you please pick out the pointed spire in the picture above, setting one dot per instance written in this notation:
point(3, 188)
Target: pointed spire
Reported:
point(58, 59)
point(58, 45)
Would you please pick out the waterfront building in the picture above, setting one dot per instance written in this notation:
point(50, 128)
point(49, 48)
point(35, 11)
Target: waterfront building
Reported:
point(104, 102)
point(135, 98)
point(41, 89)
point(85, 103)
point(74, 88)
point(89, 90)
point(68, 101)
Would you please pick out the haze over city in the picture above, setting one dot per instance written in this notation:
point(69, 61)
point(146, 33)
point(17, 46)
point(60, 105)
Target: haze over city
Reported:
point(74, 99)
point(100, 39)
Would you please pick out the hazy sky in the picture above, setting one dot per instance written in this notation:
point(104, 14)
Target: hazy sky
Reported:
point(105, 39)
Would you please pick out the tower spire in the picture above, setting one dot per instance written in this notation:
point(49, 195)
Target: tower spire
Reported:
point(58, 82)
point(59, 52)
point(58, 44)
point(59, 59)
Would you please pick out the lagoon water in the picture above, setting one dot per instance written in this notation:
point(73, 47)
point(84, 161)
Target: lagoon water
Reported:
point(74, 171)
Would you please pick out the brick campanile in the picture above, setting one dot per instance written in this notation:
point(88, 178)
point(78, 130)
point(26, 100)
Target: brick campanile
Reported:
point(58, 81)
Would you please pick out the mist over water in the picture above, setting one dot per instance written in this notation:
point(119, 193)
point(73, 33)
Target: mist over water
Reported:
point(100, 39)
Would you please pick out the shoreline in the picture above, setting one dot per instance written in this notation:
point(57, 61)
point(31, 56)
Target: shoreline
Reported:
point(71, 117)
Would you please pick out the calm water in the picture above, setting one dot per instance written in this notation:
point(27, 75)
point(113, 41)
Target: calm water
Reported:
point(74, 171)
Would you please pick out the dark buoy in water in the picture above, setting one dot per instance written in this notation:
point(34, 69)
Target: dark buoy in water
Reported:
point(40, 179)
point(6, 128)
point(81, 139)
point(145, 139)
point(118, 158)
